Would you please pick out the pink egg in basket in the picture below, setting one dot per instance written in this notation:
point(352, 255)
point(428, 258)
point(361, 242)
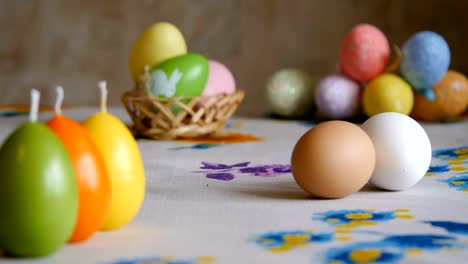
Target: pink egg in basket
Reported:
point(220, 80)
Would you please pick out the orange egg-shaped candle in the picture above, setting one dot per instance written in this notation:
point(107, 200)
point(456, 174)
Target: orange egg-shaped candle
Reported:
point(93, 179)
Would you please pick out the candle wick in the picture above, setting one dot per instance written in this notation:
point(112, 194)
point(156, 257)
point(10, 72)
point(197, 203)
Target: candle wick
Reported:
point(35, 97)
point(103, 87)
point(58, 103)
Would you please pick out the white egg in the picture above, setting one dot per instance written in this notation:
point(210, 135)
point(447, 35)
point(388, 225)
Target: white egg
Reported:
point(403, 150)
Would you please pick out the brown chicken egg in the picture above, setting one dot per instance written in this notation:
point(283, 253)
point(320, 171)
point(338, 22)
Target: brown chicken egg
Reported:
point(333, 159)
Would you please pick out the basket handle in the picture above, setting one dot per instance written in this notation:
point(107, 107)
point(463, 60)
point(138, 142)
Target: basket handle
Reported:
point(143, 84)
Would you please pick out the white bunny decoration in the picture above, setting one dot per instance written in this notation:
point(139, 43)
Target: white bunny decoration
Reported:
point(160, 85)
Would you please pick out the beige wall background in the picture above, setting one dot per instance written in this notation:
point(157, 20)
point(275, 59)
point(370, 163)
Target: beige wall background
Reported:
point(77, 43)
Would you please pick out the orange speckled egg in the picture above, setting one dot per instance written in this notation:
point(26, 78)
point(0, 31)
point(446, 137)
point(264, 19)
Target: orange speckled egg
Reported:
point(333, 159)
point(451, 99)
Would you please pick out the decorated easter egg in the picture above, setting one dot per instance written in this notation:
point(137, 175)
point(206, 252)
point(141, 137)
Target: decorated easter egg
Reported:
point(290, 93)
point(123, 164)
point(451, 99)
point(93, 180)
point(220, 80)
point(425, 60)
point(333, 159)
point(156, 44)
point(337, 96)
point(426, 110)
point(403, 150)
point(184, 75)
point(387, 93)
point(364, 53)
point(38, 192)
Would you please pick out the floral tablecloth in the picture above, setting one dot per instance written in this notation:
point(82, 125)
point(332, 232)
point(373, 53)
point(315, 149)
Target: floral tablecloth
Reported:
point(232, 199)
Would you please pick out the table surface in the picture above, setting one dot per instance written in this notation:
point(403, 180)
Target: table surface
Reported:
point(236, 202)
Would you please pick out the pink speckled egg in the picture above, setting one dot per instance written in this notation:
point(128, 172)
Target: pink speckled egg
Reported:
point(338, 97)
point(364, 53)
point(220, 80)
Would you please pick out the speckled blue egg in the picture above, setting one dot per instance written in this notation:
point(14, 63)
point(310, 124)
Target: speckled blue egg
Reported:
point(425, 60)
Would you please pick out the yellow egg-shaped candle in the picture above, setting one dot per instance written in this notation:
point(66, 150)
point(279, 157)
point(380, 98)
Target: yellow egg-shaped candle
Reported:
point(123, 162)
point(156, 44)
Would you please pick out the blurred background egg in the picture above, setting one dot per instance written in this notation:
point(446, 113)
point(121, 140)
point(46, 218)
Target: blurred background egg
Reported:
point(220, 80)
point(387, 93)
point(156, 44)
point(451, 99)
point(425, 60)
point(337, 97)
point(364, 53)
point(403, 150)
point(290, 93)
point(333, 159)
point(184, 75)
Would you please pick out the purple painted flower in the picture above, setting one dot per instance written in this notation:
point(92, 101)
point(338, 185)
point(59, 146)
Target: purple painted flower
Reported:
point(219, 166)
point(226, 172)
point(220, 176)
point(259, 170)
point(267, 170)
point(282, 169)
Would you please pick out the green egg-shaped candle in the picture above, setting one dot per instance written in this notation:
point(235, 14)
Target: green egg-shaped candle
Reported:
point(38, 190)
point(181, 76)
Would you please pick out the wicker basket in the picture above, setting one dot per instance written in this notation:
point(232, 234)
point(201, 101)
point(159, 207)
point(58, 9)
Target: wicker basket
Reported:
point(155, 118)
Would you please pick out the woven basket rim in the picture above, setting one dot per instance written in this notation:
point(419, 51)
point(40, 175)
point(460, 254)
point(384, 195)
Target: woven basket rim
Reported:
point(136, 93)
point(156, 118)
